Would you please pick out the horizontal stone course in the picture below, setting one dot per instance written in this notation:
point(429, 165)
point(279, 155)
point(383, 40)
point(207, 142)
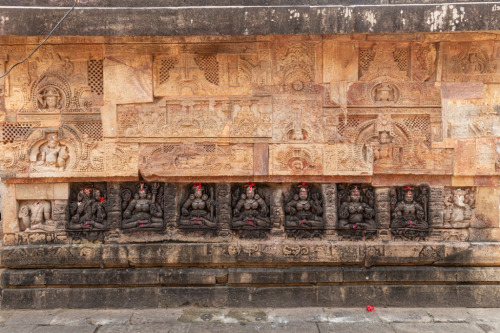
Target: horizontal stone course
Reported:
point(246, 254)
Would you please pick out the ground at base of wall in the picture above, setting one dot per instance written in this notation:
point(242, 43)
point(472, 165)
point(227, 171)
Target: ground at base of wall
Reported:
point(189, 319)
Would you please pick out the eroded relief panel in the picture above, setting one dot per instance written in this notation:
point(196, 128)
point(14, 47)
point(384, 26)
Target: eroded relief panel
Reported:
point(472, 61)
point(194, 159)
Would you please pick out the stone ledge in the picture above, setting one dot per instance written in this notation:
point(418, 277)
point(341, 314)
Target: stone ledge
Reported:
point(248, 253)
point(287, 18)
point(254, 276)
point(284, 296)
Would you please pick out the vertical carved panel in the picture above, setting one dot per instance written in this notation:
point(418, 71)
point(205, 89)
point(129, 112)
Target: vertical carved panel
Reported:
point(356, 211)
point(223, 208)
point(114, 202)
point(383, 207)
point(170, 205)
point(304, 211)
point(329, 192)
point(436, 207)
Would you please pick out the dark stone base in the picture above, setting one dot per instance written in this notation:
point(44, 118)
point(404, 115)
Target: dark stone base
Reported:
point(251, 287)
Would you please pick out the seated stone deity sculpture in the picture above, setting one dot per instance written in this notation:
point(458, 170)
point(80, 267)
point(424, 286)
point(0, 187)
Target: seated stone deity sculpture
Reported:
point(356, 214)
point(304, 211)
point(198, 210)
point(36, 216)
point(143, 211)
point(251, 210)
point(408, 213)
point(89, 211)
point(53, 155)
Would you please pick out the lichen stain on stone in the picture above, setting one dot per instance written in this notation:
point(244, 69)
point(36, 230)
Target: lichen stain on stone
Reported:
point(348, 12)
point(370, 18)
point(436, 19)
point(457, 17)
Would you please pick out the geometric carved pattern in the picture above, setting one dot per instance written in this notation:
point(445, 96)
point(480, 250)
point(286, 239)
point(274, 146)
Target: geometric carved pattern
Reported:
point(166, 65)
point(95, 69)
point(401, 57)
point(366, 55)
point(12, 132)
point(210, 66)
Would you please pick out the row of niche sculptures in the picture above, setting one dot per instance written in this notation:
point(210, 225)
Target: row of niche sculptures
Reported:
point(141, 207)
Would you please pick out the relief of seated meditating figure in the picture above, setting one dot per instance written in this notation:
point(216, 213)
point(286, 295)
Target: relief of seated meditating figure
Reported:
point(304, 211)
point(199, 209)
point(251, 210)
point(35, 216)
point(143, 211)
point(409, 214)
point(89, 211)
point(356, 214)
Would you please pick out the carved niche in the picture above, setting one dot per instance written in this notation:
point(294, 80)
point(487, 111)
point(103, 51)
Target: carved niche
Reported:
point(410, 212)
point(87, 207)
point(304, 211)
point(64, 149)
point(459, 207)
point(142, 206)
point(356, 211)
point(36, 216)
point(251, 208)
point(399, 142)
point(198, 211)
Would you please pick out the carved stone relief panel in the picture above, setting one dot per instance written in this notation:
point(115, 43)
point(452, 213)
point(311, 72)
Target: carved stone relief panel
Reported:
point(396, 142)
point(459, 204)
point(297, 119)
point(387, 93)
point(471, 61)
point(466, 119)
point(304, 210)
point(384, 61)
point(348, 159)
point(58, 80)
point(142, 206)
point(194, 159)
point(356, 211)
point(195, 117)
point(36, 216)
point(198, 210)
point(88, 207)
point(215, 69)
point(296, 159)
point(295, 64)
point(251, 117)
point(423, 61)
point(410, 212)
point(251, 208)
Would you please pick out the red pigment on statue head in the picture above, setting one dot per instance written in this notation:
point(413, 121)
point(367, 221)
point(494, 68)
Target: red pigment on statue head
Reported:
point(102, 199)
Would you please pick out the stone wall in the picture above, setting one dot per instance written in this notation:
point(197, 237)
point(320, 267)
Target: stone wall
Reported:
point(251, 150)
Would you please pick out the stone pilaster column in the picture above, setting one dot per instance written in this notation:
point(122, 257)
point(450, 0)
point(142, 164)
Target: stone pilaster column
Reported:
point(223, 209)
point(436, 207)
point(329, 192)
point(114, 205)
point(170, 211)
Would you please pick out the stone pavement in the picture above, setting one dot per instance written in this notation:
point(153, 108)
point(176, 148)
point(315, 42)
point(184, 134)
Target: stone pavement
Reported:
point(190, 319)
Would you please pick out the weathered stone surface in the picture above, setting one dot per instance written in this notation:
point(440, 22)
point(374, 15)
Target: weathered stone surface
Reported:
point(316, 18)
point(128, 79)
